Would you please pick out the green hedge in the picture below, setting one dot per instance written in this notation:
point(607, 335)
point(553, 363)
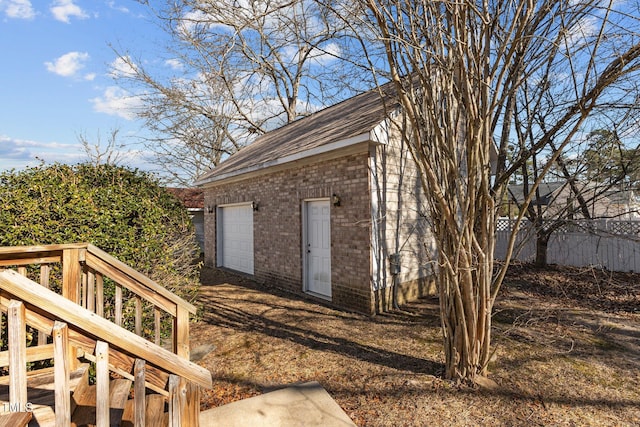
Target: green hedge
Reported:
point(125, 212)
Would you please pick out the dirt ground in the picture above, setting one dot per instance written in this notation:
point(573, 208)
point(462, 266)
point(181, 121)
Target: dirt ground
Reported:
point(567, 352)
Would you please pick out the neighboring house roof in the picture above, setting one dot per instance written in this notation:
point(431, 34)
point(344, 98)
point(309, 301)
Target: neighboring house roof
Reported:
point(545, 189)
point(612, 203)
point(347, 123)
point(622, 196)
point(192, 198)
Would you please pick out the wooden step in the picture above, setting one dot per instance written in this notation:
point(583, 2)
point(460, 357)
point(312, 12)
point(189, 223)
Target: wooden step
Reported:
point(84, 413)
point(83, 403)
point(15, 419)
point(40, 393)
point(155, 415)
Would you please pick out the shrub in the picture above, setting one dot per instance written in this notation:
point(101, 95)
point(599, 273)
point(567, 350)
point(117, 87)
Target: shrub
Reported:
point(122, 211)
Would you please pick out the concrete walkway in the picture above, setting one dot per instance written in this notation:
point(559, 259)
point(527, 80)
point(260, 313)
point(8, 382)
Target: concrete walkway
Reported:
point(306, 405)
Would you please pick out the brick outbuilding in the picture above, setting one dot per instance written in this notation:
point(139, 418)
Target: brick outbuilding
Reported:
point(329, 206)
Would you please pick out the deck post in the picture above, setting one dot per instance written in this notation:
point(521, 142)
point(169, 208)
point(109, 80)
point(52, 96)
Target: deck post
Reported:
point(102, 384)
point(61, 368)
point(174, 401)
point(184, 402)
point(17, 355)
point(71, 278)
point(139, 400)
point(181, 327)
point(71, 274)
point(192, 408)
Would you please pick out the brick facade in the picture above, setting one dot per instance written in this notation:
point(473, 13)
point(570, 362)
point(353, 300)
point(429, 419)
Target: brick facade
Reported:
point(278, 234)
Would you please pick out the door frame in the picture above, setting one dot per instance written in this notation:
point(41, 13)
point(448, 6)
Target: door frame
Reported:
point(305, 241)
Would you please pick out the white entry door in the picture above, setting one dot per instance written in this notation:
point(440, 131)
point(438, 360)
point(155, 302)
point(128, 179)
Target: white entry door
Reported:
point(318, 248)
point(235, 238)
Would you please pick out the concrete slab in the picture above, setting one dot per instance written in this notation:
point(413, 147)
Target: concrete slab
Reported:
point(305, 404)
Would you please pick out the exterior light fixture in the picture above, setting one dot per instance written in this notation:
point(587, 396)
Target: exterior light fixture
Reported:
point(335, 200)
point(210, 209)
point(254, 206)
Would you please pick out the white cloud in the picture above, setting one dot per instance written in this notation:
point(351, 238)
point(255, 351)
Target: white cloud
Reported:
point(318, 56)
point(63, 10)
point(114, 6)
point(581, 32)
point(116, 101)
point(190, 20)
point(18, 153)
point(174, 64)
point(122, 68)
point(69, 64)
point(18, 9)
point(327, 54)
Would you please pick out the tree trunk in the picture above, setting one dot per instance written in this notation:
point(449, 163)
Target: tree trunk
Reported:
point(542, 240)
point(466, 299)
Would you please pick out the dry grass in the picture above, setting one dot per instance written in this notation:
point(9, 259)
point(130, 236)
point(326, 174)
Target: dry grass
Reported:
point(568, 345)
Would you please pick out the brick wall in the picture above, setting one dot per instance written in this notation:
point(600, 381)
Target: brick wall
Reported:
point(278, 258)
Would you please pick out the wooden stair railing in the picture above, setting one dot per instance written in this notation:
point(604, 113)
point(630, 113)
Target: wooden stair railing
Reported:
point(112, 348)
point(158, 314)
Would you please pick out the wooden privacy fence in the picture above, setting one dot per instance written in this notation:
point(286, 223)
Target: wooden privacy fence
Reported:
point(81, 323)
point(614, 245)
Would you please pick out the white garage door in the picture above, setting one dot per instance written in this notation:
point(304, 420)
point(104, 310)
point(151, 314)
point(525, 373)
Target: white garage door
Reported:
point(235, 238)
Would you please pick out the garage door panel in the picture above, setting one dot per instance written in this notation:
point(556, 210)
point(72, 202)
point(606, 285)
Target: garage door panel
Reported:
point(236, 243)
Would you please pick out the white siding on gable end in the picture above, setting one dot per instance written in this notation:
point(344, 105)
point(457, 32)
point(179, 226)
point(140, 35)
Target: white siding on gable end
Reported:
point(399, 215)
point(235, 237)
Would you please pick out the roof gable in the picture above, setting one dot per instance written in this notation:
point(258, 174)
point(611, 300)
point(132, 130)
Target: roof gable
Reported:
point(340, 125)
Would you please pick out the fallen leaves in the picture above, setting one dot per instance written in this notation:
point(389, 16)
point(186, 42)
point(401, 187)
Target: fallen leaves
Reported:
point(563, 356)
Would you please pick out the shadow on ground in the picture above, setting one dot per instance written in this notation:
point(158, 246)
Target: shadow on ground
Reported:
point(268, 314)
point(556, 364)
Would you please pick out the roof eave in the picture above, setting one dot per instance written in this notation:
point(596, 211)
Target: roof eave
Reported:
point(367, 137)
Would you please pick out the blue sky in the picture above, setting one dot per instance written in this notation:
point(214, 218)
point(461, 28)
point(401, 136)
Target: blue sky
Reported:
point(55, 80)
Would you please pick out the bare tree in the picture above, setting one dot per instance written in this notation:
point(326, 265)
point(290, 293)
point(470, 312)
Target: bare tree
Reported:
point(240, 68)
point(97, 153)
point(461, 69)
point(596, 181)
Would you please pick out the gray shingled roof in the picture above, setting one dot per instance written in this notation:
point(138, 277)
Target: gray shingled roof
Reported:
point(348, 119)
point(546, 190)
